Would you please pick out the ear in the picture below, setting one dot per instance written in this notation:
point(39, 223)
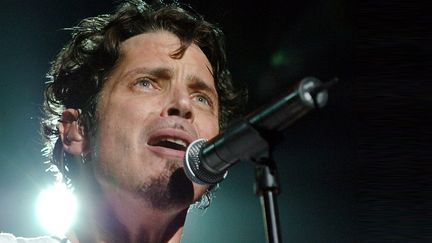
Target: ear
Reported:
point(71, 134)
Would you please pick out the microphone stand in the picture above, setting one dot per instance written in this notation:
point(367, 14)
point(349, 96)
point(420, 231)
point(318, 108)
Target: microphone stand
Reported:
point(266, 174)
point(267, 188)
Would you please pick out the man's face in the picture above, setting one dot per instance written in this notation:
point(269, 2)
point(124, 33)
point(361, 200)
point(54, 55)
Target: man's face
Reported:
point(151, 107)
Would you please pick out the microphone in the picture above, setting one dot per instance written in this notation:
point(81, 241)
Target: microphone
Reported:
point(207, 162)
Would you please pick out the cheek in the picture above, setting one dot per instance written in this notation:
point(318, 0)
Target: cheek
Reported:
point(208, 127)
point(115, 126)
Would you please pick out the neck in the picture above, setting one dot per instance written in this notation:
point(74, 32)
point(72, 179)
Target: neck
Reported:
point(116, 215)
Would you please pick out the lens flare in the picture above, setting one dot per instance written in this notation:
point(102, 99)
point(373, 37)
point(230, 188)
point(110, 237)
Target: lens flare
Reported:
point(56, 209)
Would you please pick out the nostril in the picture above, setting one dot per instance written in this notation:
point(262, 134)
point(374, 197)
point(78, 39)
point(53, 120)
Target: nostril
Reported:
point(173, 112)
point(178, 112)
point(188, 115)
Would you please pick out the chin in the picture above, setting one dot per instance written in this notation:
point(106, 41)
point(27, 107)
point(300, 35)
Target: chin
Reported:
point(171, 189)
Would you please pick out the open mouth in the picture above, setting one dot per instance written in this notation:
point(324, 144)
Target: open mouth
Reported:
point(170, 143)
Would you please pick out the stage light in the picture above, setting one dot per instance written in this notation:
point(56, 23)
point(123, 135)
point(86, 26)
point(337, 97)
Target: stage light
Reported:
point(56, 209)
point(279, 59)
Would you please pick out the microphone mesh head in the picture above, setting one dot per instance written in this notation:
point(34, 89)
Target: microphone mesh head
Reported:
point(194, 169)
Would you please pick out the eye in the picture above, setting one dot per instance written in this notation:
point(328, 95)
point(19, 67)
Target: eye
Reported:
point(145, 83)
point(203, 99)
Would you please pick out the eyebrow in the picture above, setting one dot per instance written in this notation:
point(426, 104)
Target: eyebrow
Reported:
point(164, 73)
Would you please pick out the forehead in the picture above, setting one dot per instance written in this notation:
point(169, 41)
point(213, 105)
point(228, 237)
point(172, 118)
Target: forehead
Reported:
point(156, 48)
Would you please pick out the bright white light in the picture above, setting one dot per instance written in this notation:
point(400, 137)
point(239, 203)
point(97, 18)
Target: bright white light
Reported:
point(56, 209)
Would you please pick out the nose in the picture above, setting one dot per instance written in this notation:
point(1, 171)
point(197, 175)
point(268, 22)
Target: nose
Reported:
point(179, 104)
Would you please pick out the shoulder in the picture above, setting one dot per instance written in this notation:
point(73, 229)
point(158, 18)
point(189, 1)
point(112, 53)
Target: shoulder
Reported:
point(9, 238)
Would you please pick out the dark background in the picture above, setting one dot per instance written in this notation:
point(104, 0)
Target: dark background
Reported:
point(270, 45)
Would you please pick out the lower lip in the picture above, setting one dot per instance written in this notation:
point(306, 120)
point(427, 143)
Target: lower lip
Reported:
point(166, 152)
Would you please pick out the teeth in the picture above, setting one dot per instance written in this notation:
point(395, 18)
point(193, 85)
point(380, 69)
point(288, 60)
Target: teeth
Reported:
point(176, 141)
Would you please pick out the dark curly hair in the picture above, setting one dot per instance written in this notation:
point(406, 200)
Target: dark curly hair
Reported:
point(79, 71)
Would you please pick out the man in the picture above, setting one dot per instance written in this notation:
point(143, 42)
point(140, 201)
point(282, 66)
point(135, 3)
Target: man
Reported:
point(126, 97)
